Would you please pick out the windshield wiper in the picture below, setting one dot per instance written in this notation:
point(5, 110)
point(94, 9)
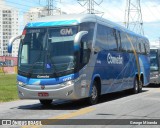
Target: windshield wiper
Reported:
point(31, 68)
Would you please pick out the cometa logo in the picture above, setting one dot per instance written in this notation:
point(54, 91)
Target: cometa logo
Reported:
point(114, 60)
point(46, 76)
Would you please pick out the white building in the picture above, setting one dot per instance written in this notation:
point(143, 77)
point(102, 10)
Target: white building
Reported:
point(9, 27)
point(34, 13)
point(38, 12)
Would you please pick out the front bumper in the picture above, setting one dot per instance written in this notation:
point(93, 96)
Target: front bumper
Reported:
point(155, 80)
point(53, 92)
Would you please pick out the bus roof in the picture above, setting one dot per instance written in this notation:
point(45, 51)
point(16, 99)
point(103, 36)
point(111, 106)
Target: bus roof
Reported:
point(73, 19)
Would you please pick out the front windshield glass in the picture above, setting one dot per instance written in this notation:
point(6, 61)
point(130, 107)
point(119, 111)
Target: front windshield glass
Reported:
point(154, 60)
point(32, 50)
point(61, 48)
point(47, 51)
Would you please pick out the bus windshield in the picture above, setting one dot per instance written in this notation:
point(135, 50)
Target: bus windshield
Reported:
point(154, 60)
point(47, 51)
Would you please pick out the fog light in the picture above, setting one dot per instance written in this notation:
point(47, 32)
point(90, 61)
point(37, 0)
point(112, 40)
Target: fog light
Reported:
point(68, 93)
point(21, 93)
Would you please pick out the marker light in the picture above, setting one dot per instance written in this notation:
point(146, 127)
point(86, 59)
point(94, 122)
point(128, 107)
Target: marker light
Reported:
point(24, 32)
point(68, 83)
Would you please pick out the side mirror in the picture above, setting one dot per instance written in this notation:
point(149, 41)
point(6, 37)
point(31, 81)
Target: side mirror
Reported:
point(79, 36)
point(11, 42)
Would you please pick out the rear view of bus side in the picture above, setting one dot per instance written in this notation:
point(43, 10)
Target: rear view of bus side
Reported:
point(80, 56)
point(122, 59)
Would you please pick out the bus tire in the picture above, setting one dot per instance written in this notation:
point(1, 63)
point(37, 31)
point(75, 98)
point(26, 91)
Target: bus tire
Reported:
point(46, 102)
point(136, 86)
point(140, 86)
point(93, 99)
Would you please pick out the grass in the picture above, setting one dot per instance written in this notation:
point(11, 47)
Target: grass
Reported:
point(8, 88)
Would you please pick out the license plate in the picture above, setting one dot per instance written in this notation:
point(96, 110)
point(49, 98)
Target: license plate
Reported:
point(43, 94)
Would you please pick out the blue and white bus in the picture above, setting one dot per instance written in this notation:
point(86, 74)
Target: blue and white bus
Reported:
point(79, 56)
point(155, 64)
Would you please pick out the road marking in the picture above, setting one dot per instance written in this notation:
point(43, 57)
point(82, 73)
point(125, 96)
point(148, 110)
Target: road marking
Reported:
point(64, 116)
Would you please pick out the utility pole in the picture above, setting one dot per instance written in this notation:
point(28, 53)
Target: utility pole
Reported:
point(133, 16)
point(50, 7)
point(90, 5)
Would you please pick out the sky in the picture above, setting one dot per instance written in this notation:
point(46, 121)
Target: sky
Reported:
point(113, 10)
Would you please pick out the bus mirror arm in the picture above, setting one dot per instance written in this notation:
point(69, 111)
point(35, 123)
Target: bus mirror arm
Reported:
point(95, 52)
point(79, 36)
point(11, 43)
point(96, 49)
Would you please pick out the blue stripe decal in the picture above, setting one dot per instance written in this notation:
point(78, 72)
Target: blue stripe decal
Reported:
point(51, 23)
point(50, 81)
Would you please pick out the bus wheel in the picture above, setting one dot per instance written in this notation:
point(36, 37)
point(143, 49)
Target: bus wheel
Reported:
point(136, 86)
point(93, 99)
point(46, 102)
point(140, 86)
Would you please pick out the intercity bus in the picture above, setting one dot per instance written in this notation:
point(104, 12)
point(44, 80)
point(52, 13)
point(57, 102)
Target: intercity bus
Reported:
point(79, 56)
point(155, 65)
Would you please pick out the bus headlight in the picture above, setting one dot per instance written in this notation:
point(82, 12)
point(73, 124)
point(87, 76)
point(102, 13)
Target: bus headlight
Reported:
point(20, 83)
point(68, 83)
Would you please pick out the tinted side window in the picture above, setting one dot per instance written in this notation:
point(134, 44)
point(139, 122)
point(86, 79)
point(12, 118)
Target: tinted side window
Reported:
point(88, 26)
point(123, 41)
point(129, 43)
point(137, 45)
point(147, 47)
point(134, 40)
point(101, 37)
point(118, 40)
point(106, 38)
point(142, 48)
point(111, 39)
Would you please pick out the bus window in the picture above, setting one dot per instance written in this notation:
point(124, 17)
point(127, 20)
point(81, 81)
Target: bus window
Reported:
point(86, 42)
point(139, 45)
point(85, 50)
point(147, 47)
point(142, 48)
point(123, 41)
point(133, 39)
point(111, 39)
point(101, 37)
point(88, 26)
point(135, 43)
point(154, 60)
point(129, 42)
point(118, 40)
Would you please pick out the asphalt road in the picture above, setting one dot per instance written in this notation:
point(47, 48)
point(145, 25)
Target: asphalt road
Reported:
point(122, 105)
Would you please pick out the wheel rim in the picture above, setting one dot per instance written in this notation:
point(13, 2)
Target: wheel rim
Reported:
point(94, 93)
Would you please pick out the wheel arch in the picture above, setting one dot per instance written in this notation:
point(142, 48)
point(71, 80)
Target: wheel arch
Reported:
point(96, 78)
